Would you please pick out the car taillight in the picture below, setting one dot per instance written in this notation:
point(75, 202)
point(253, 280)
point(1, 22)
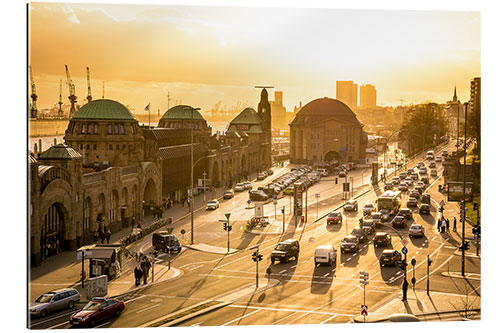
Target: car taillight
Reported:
point(392, 259)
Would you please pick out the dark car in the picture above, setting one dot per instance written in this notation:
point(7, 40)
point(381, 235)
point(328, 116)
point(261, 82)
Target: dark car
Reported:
point(382, 239)
point(412, 202)
point(96, 310)
point(349, 244)
point(415, 194)
point(286, 250)
point(387, 187)
point(369, 225)
point(406, 213)
point(270, 172)
point(399, 222)
point(426, 198)
point(424, 179)
point(334, 217)
point(389, 258)
point(166, 242)
point(361, 233)
point(258, 196)
point(424, 209)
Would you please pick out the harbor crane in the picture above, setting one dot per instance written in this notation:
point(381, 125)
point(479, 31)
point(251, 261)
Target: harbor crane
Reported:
point(71, 97)
point(89, 94)
point(60, 112)
point(34, 96)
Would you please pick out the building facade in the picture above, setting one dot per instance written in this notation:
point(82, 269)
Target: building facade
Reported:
point(279, 118)
point(367, 96)
point(347, 92)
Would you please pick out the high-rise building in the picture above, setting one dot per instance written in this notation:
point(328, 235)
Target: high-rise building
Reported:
point(367, 96)
point(278, 111)
point(475, 95)
point(347, 92)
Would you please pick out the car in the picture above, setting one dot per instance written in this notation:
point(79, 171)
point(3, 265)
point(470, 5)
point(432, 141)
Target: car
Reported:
point(247, 185)
point(369, 226)
point(399, 221)
point(382, 239)
point(434, 173)
point(377, 217)
point(387, 187)
point(351, 205)
point(270, 172)
point(429, 157)
point(402, 175)
point(212, 204)
point(258, 195)
point(342, 174)
point(361, 233)
point(322, 172)
point(439, 159)
point(416, 230)
point(325, 254)
point(349, 244)
point(395, 181)
point(286, 250)
point(444, 153)
point(386, 214)
point(261, 176)
point(228, 194)
point(422, 171)
point(426, 198)
point(432, 165)
point(406, 213)
point(288, 191)
point(424, 209)
point(389, 258)
point(402, 187)
point(415, 193)
point(97, 310)
point(368, 208)
point(414, 176)
point(424, 179)
point(334, 217)
point(408, 181)
point(52, 301)
point(166, 242)
point(239, 187)
point(420, 164)
point(412, 202)
point(419, 188)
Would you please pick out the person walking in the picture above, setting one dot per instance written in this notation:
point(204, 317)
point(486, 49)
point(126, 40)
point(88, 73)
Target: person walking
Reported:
point(454, 224)
point(405, 290)
point(182, 201)
point(137, 275)
point(189, 203)
point(447, 225)
point(102, 236)
point(443, 225)
point(108, 235)
point(139, 225)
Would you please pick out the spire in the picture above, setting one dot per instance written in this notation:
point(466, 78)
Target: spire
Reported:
point(455, 94)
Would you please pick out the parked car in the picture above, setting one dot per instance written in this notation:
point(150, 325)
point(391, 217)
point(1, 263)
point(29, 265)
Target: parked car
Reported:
point(351, 205)
point(286, 250)
point(390, 258)
point(382, 239)
point(412, 202)
point(416, 230)
point(334, 217)
point(361, 233)
point(399, 221)
point(325, 254)
point(239, 187)
point(349, 244)
point(229, 194)
point(288, 191)
point(261, 176)
point(53, 301)
point(426, 198)
point(166, 242)
point(368, 208)
point(212, 204)
point(97, 310)
point(258, 196)
point(424, 209)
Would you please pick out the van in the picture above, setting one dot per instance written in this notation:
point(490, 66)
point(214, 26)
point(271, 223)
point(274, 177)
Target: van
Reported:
point(325, 254)
point(166, 242)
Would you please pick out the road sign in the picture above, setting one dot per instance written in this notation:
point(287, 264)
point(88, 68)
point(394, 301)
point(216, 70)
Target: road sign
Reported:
point(442, 203)
point(404, 241)
point(317, 195)
point(404, 250)
point(249, 202)
point(363, 278)
point(275, 197)
point(364, 310)
point(183, 231)
point(227, 215)
point(170, 229)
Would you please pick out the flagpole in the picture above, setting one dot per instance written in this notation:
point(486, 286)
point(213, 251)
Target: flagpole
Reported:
point(149, 111)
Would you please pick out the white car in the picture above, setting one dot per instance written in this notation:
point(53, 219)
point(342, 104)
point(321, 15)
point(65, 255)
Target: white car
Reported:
point(439, 159)
point(322, 172)
point(416, 230)
point(422, 171)
point(325, 254)
point(351, 205)
point(248, 185)
point(212, 204)
point(368, 208)
point(239, 187)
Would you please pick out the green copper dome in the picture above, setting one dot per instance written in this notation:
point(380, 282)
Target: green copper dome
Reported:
point(182, 112)
point(104, 109)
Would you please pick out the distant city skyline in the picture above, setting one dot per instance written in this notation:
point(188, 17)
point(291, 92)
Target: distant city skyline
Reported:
point(202, 55)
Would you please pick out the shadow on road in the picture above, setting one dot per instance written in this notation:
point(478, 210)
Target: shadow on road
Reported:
point(322, 278)
point(349, 259)
point(388, 272)
point(283, 271)
point(420, 242)
point(333, 227)
point(246, 238)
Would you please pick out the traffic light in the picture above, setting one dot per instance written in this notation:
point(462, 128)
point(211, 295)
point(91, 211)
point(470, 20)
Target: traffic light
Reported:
point(336, 180)
point(155, 254)
point(476, 206)
point(283, 210)
point(225, 226)
point(256, 256)
point(466, 245)
point(429, 261)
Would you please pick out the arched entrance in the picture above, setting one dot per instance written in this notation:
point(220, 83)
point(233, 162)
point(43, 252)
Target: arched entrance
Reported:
point(149, 197)
point(332, 156)
point(52, 233)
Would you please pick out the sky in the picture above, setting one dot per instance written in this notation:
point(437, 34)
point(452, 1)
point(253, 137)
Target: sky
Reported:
point(204, 54)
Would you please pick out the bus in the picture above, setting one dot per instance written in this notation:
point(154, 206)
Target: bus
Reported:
point(389, 200)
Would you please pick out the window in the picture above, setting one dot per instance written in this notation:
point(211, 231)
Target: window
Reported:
point(110, 147)
point(96, 128)
point(116, 128)
point(88, 147)
point(122, 129)
point(123, 146)
point(133, 129)
point(84, 128)
point(81, 146)
point(95, 147)
point(110, 129)
point(117, 147)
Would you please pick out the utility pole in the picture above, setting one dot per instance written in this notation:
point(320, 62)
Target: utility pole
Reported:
point(283, 212)
point(228, 228)
point(317, 195)
point(463, 193)
point(204, 185)
point(429, 262)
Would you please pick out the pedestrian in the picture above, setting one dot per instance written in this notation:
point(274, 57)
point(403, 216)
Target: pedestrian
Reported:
point(454, 224)
point(137, 275)
point(443, 225)
point(189, 203)
point(139, 225)
point(108, 235)
point(102, 236)
point(96, 236)
point(405, 289)
point(182, 201)
point(447, 225)
point(145, 270)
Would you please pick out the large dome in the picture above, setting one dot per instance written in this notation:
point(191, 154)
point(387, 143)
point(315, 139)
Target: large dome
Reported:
point(182, 112)
point(324, 108)
point(103, 109)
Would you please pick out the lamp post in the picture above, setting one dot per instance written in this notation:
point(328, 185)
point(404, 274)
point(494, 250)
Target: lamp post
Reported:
point(463, 192)
point(204, 185)
point(191, 205)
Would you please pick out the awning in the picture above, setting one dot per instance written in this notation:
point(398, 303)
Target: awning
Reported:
point(97, 253)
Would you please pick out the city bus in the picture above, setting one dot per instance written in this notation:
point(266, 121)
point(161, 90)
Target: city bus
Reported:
point(389, 200)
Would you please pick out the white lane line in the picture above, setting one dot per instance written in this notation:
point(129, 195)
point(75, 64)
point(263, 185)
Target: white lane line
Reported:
point(292, 310)
point(52, 318)
point(291, 314)
point(293, 266)
point(148, 308)
point(283, 271)
point(134, 299)
point(61, 324)
point(348, 259)
point(326, 274)
point(102, 324)
point(324, 321)
point(241, 317)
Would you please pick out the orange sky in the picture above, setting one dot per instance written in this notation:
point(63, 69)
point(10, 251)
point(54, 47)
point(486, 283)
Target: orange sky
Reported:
point(205, 54)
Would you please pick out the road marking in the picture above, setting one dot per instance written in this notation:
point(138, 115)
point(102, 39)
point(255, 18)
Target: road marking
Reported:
point(147, 308)
point(197, 324)
point(293, 266)
point(61, 324)
point(101, 325)
point(283, 271)
point(241, 317)
point(291, 314)
point(348, 259)
point(324, 321)
point(326, 274)
point(134, 299)
point(292, 310)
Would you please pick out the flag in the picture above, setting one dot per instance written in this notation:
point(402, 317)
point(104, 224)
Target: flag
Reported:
point(147, 107)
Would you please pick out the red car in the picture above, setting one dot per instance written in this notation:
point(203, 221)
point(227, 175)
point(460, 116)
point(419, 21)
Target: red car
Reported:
point(334, 217)
point(96, 310)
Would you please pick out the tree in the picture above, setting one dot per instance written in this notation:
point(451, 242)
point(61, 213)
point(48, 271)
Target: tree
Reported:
point(424, 122)
point(474, 126)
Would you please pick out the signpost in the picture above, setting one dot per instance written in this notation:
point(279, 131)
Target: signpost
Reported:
point(275, 202)
point(317, 197)
point(363, 279)
point(404, 250)
point(182, 233)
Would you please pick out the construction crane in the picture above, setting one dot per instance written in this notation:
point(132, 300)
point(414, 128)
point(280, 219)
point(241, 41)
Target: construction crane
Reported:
point(71, 97)
point(33, 109)
point(102, 89)
point(89, 94)
point(60, 112)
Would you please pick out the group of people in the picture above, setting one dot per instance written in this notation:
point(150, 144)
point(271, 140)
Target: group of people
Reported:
point(142, 271)
point(103, 235)
point(444, 224)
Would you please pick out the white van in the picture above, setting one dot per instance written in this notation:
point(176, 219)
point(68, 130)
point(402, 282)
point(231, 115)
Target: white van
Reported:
point(322, 172)
point(325, 254)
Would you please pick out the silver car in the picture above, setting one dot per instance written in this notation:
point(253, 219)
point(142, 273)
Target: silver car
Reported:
point(53, 301)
